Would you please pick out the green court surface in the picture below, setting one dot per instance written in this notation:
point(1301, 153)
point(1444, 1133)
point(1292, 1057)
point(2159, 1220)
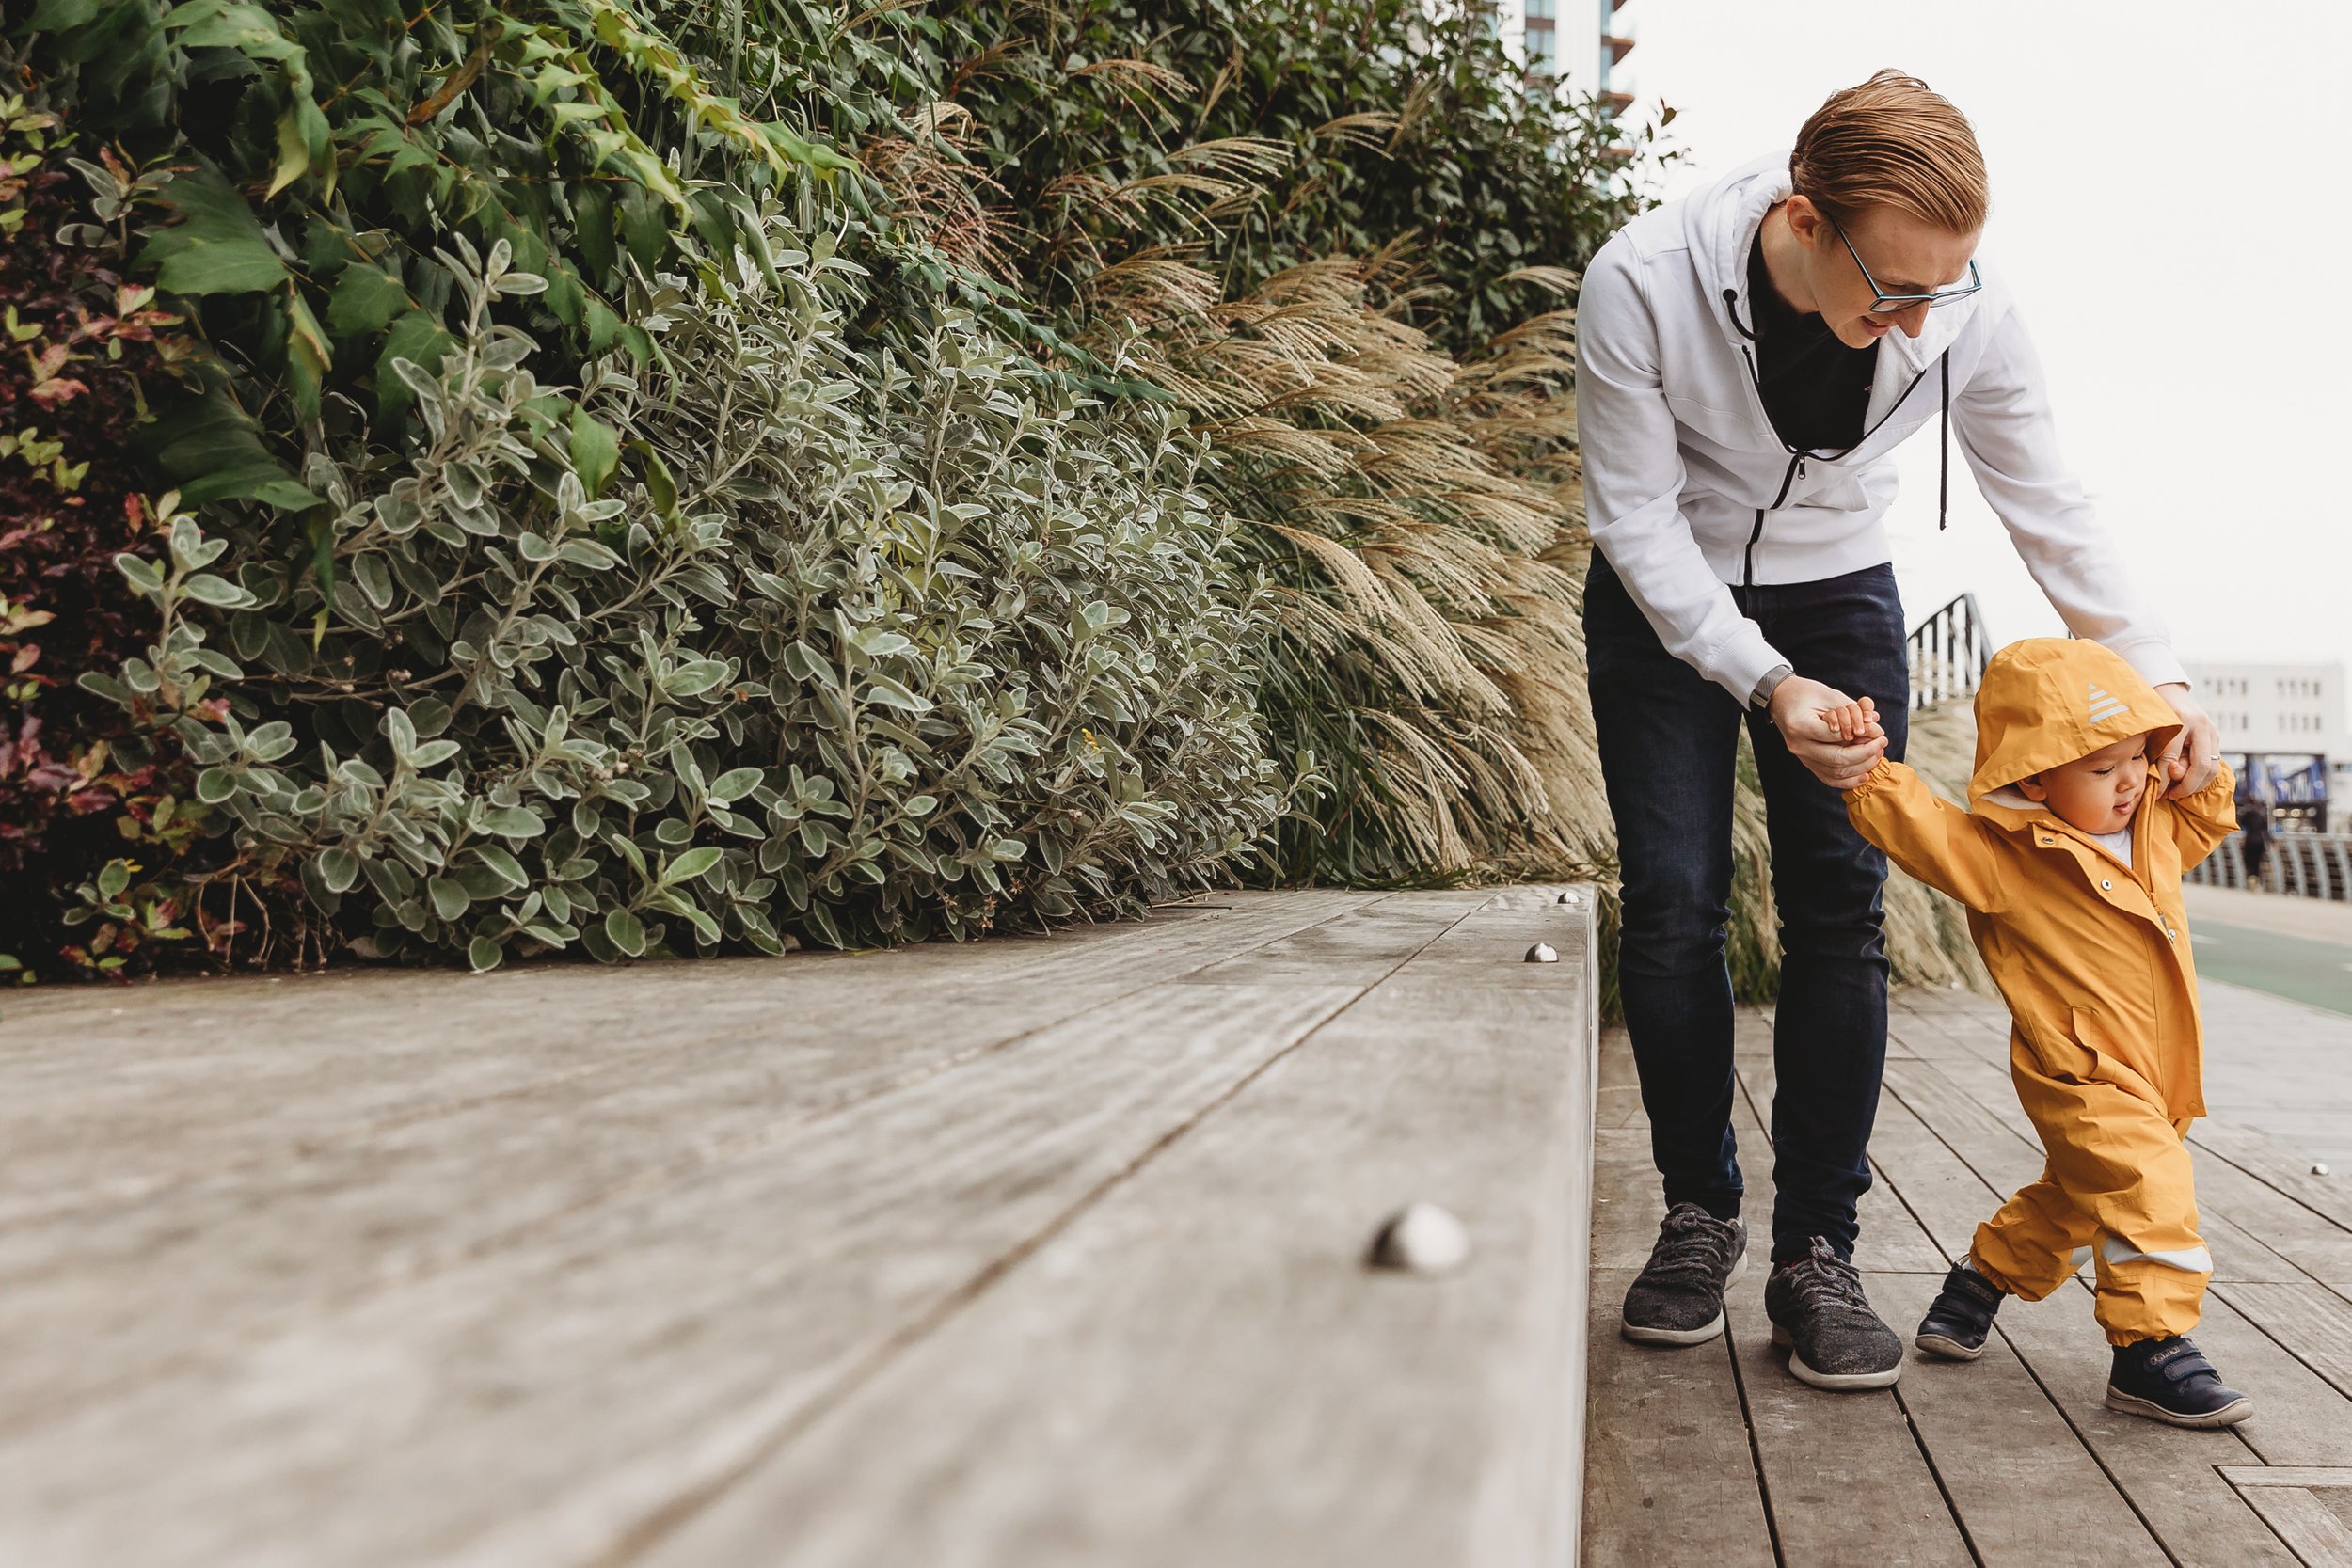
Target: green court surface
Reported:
point(2318, 973)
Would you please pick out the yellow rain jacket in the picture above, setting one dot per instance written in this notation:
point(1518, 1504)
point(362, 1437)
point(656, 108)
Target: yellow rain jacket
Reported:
point(2093, 959)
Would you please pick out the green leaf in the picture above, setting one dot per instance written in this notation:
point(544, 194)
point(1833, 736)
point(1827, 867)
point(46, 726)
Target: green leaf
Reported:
point(514, 822)
point(596, 450)
point(645, 227)
point(247, 29)
point(691, 865)
point(417, 337)
point(339, 869)
point(367, 299)
point(450, 897)
point(695, 678)
point(483, 955)
point(213, 449)
point(294, 151)
point(626, 933)
point(507, 868)
point(219, 249)
point(213, 785)
point(735, 784)
point(207, 588)
point(114, 878)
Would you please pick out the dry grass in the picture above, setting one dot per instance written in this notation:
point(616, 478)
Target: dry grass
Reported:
point(1420, 515)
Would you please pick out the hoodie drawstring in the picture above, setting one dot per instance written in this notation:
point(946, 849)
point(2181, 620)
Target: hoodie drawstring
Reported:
point(1943, 429)
point(1943, 450)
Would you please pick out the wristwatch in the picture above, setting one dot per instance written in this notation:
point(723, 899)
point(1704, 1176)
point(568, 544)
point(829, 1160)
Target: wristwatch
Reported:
point(1761, 698)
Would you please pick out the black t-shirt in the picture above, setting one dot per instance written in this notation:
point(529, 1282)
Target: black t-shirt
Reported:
point(1816, 388)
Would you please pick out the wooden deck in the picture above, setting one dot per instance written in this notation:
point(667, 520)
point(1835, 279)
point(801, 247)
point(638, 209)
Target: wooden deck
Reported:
point(1027, 1253)
point(1717, 1456)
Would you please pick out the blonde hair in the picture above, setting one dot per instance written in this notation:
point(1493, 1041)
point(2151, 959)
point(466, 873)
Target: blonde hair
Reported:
point(1891, 142)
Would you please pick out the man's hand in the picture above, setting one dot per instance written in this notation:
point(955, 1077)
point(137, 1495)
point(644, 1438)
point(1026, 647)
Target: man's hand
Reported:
point(2197, 748)
point(1816, 722)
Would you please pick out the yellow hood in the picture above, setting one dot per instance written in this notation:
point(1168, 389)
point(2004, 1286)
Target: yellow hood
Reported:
point(2048, 700)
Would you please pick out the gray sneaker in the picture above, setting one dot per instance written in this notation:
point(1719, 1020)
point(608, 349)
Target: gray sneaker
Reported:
point(1819, 1311)
point(1679, 1299)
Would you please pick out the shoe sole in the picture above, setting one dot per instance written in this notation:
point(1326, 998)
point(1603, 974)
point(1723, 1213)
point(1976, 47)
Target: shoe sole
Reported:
point(1698, 1335)
point(2132, 1405)
point(1841, 1383)
point(1946, 1348)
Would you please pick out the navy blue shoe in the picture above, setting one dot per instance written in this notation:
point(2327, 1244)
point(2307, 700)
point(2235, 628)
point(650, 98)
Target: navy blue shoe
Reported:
point(2171, 1380)
point(1960, 1317)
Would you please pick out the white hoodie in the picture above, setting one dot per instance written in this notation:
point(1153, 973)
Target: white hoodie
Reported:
point(1688, 489)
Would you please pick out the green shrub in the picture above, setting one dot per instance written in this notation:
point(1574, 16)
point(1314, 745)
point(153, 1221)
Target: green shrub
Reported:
point(877, 645)
point(321, 151)
point(83, 351)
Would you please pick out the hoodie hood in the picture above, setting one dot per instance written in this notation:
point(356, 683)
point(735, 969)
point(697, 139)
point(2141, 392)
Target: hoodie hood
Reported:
point(2049, 699)
point(1720, 224)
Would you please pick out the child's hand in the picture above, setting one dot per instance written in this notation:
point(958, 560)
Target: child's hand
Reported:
point(1853, 722)
point(2175, 768)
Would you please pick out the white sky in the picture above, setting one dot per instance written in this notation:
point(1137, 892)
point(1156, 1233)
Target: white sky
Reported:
point(2169, 199)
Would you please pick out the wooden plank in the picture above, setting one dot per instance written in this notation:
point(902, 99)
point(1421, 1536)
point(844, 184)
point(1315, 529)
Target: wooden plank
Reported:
point(2299, 1419)
point(1888, 1240)
point(1357, 948)
point(1846, 1479)
point(1996, 1151)
point(2017, 1475)
point(2167, 1472)
point(2305, 1475)
point(2320, 1537)
point(539, 1403)
point(1669, 1476)
point(1626, 1204)
point(2310, 1320)
point(1620, 1101)
point(431, 1192)
point(1989, 1430)
point(1229, 1384)
point(2274, 1166)
point(201, 1076)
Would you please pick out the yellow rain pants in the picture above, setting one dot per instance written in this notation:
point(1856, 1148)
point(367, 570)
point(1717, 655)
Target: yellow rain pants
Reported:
point(2117, 1183)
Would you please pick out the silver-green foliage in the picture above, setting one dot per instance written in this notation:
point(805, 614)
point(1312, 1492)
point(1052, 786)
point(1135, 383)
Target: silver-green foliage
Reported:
point(862, 644)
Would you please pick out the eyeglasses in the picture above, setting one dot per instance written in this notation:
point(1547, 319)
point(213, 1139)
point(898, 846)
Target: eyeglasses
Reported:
point(1889, 305)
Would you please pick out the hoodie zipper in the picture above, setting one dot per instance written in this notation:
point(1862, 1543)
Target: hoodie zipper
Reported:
point(1787, 481)
point(1797, 454)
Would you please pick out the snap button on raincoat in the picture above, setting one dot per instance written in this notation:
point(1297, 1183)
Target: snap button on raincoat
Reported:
point(2093, 958)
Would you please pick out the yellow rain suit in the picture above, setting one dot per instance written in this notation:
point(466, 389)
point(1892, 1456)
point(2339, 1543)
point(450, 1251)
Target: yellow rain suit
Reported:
point(2093, 957)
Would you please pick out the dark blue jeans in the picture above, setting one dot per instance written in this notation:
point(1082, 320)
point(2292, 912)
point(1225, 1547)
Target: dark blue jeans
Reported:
point(1669, 742)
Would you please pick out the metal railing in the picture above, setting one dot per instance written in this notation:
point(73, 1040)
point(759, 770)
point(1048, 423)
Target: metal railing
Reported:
point(2299, 865)
point(1949, 652)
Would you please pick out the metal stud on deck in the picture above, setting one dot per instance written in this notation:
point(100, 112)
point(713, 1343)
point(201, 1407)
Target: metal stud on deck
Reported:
point(1420, 1238)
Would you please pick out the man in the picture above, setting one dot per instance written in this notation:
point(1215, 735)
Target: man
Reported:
point(1749, 357)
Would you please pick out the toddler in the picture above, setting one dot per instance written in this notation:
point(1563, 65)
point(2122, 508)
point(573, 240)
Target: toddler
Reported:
point(2069, 861)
